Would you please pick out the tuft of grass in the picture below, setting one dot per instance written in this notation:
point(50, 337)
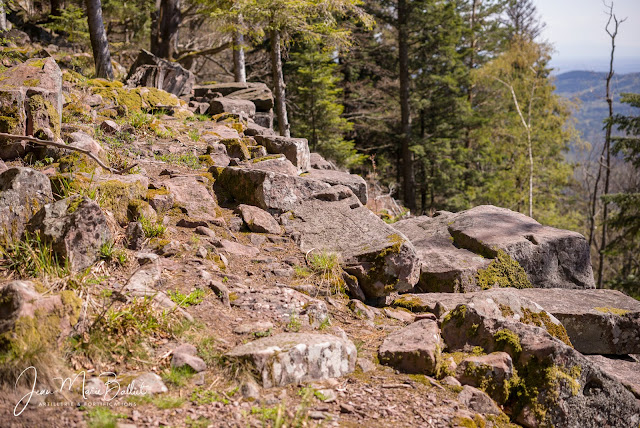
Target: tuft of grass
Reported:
point(325, 266)
point(140, 120)
point(178, 376)
point(201, 396)
point(151, 229)
point(294, 323)
point(198, 117)
point(103, 417)
point(186, 300)
point(194, 135)
point(109, 253)
point(32, 258)
point(201, 422)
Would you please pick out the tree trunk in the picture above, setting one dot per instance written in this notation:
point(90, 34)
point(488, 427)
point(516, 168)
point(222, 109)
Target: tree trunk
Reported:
point(3, 17)
point(239, 69)
point(167, 30)
point(405, 113)
point(155, 28)
point(279, 86)
point(99, 42)
point(56, 7)
point(607, 145)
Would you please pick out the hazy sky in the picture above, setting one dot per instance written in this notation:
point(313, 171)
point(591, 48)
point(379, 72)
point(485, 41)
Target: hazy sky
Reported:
point(576, 29)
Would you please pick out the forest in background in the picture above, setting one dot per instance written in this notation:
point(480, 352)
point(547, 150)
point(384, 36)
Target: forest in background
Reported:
point(446, 104)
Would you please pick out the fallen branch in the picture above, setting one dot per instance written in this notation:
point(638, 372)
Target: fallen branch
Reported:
point(66, 147)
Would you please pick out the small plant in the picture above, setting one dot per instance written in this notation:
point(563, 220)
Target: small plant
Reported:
point(152, 229)
point(198, 117)
point(325, 324)
point(31, 258)
point(201, 422)
point(194, 135)
point(109, 253)
point(294, 323)
point(201, 396)
point(140, 120)
point(179, 376)
point(326, 267)
point(261, 334)
point(186, 300)
point(103, 417)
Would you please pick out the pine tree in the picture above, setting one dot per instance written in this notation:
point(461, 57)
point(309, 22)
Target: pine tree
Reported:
point(316, 109)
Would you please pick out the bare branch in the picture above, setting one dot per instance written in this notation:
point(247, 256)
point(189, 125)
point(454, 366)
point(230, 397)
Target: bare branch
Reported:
point(66, 147)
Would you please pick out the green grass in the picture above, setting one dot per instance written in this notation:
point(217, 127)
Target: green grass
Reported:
point(32, 258)
point(194, 135)
point(294, 323)
point(198, 117)
point(152, 229)
point(325, 266)
point(201, 422)
point(109, 253)
point(188, 159)
point(178, 376)
point(140, 120)
point(186, 300)
point(103, 417)
point(201, 396)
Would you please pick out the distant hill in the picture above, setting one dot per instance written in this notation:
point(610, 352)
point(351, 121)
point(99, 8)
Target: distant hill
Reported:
point(588, 88)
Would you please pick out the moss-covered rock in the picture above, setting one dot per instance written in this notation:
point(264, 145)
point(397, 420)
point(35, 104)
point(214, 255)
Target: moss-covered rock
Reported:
point(116, 193)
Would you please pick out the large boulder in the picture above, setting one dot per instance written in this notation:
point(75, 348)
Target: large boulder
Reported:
point(597, 321)
point(488, 246)
point(151, 71)
point(334, 178)
point(552, 258)
point(119, 193)
point(295, 149)
point(30, 103)
point(493, 373)
point(296, 358)
point(193, 198)
point(23, 192)
point(33, 327)
point(413, 349)
point(76, 229)
point(624, 368)
point(509, 301)
point(382, 259)
point(264, 189)
point(444, 266)
point(556, 385)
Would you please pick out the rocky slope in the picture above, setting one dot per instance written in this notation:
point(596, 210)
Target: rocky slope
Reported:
point(225, 276)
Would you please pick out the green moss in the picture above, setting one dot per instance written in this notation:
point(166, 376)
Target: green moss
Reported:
point(43, 110)
point(156, 97)
point(236, 148)
point(76, 162)
point(206, 160)
point(31, 82)
point(506, 339)
point(457, 315)
point(115, 196)
point(266, 158)
point(74, 204)
point(542, 319)
point(614, 311)
point(152, 193)
point(37, 63)
point(506, 310)
point(503, 271)
point(33, 341)
point(412, 303)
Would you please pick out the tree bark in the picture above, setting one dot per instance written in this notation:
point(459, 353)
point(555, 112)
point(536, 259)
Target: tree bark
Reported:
point(99, 42)
point(168, 22)
point(279, 86)
point(239, 69)
point(3, 17)
point(56, 7)
point(405, 112)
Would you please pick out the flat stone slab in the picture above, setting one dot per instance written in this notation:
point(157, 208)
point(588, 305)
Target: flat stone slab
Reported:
point(597, 321)
point(295, 149)
point(453, 248)
point(296, 358)
point(381, 258)
point(625, 369)
point(352, 181)
point(264, 189)
point(193, 198)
